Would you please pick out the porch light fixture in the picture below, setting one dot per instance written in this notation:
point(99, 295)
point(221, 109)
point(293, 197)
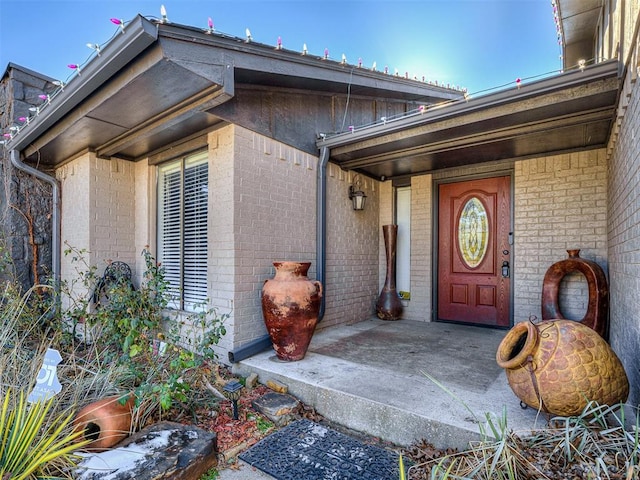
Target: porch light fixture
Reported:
point(232, 391)
point(357, 196)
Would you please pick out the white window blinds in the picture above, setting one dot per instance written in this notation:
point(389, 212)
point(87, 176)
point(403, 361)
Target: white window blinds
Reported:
point(182, 228)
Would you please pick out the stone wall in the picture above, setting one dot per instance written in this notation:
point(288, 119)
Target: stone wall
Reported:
point(25, 202)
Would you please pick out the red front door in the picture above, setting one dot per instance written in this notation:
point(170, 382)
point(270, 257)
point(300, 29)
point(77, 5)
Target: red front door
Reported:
point(474, 252)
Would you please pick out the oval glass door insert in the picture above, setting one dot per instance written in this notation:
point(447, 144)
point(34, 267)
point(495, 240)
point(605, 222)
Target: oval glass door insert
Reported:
point(473, 232)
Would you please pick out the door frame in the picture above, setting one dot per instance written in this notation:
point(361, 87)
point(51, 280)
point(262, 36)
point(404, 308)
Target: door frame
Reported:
point(435, 236)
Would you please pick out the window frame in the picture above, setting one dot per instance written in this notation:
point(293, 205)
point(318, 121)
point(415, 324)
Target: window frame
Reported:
point(182, 228)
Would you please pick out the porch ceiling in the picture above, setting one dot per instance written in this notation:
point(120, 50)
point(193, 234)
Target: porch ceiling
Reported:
point(579, 23)
point(159, 84)
point(569, 112)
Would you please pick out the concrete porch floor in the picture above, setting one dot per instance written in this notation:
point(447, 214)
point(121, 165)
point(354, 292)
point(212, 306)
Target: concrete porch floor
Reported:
point(368, 377)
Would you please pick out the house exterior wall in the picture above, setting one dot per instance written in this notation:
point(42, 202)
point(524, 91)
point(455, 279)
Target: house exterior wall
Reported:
point(560, 204)
point(97, 212)
point(263, 209)
point(419, 307)
point(25, 202)
point(352, 262)
point(624, 230)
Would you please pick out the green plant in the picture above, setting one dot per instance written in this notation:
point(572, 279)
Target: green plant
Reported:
point(211, 474)
point(595, 444)
point(401, 468)
point(162, 353)
point(31, 443)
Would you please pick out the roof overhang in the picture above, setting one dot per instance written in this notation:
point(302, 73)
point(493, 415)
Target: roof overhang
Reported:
point(579, 19)
point(158, 84)
point(568, 112)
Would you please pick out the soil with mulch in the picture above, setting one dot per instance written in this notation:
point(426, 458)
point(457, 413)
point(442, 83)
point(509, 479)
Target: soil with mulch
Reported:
point(235, 436)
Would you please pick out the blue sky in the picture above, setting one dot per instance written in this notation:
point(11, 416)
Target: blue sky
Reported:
point(476, 44)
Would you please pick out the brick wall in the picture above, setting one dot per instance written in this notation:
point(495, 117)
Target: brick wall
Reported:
point(98, 212)
point(263, 209)
point(420, 306)
point(560, 204)
point(624, 235)
point(353, 239)
point(75, 188)
point(221, 273)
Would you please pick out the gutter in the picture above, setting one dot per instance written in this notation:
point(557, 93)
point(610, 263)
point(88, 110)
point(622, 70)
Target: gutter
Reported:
point(601, 71)
point(263, 343)
point(140, 33)
point(55, 217)
point(321, 225)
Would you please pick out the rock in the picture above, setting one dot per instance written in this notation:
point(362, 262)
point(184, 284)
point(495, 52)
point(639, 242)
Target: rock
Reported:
point(165, 450)
point(251, 381)
point(277, 407)
point(277, 386)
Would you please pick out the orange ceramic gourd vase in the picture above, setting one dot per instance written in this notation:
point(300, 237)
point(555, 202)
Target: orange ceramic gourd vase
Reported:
point(290, 306)
point(105, 422)
point(559, 366)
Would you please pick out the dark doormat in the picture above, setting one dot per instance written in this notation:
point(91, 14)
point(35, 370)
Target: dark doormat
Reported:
point(305, 450)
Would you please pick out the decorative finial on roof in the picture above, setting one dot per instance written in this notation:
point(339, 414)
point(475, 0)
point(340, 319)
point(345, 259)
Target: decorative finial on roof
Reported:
point(247, 32)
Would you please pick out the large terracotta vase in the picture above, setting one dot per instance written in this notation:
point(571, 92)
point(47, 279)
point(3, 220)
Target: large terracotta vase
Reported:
point(559, 366)
point(290, 306)
point(597, 315)
point(389, 306)
point(105, 422)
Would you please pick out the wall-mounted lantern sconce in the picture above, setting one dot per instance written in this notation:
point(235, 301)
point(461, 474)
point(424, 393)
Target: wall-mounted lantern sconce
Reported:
point(357, 196)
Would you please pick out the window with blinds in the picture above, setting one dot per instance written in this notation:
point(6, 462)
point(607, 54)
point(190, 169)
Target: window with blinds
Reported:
point(182, 228)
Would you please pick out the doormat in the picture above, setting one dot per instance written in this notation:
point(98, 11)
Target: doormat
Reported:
point(310, 451)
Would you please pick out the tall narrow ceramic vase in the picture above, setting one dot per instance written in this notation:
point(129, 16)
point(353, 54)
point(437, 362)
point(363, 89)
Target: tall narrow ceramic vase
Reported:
point(290, 306)
point(389, 306)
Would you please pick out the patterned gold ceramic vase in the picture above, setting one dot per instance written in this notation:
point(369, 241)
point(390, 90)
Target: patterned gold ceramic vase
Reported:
point(559, 366)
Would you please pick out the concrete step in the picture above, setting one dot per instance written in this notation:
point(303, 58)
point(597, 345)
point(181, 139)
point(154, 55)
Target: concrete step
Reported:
point(370, 377)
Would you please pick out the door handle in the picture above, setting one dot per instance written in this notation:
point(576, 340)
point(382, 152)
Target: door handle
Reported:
point(505, 269)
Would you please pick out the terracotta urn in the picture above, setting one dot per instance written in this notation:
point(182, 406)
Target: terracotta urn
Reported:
point(559, 366)
point(290, 306)
point(105, 422)
point(597, 315)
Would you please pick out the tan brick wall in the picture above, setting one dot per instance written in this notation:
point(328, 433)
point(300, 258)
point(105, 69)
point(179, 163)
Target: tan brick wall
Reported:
point(75, 182)
point(560, 204)
point(98, 212)
point(221, 253)
point(624, 235)
point(420, 306)
point(352, 250)
point(145, 214)
point(263, 209)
